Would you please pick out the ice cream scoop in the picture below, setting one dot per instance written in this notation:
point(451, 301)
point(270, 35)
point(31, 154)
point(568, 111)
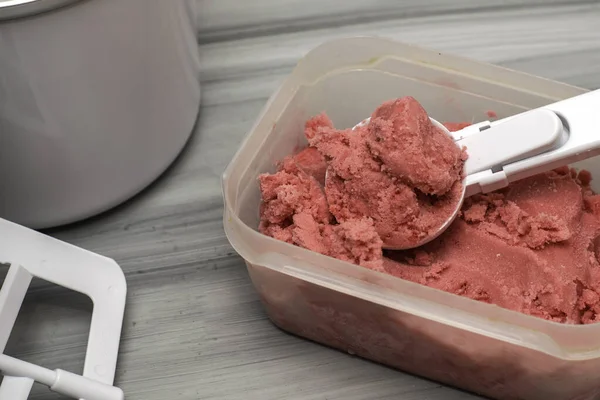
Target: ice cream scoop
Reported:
point(517, 147)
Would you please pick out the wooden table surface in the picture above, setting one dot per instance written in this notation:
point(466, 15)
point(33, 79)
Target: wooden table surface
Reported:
point(194, 327)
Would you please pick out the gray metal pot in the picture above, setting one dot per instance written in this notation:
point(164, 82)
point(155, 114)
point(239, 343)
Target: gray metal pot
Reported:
point(97, 98)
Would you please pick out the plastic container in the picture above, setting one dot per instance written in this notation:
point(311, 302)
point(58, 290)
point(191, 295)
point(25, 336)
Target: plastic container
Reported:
point(451, 339)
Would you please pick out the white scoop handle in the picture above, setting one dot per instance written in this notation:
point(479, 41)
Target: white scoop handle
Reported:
point(500, 143)
point(529, 143)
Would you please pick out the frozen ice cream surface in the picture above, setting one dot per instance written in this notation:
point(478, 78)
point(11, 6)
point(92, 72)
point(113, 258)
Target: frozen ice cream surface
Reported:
point(531, 247)
point(294, 209)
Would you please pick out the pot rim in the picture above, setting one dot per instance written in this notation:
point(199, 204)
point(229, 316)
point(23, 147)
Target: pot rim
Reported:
point(14, 9)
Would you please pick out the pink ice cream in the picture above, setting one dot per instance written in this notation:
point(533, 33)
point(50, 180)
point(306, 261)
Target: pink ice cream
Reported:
point(531, 247)
point(399, 170)
point(295, 210)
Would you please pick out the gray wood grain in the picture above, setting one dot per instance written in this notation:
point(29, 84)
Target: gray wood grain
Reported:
point(194, 327)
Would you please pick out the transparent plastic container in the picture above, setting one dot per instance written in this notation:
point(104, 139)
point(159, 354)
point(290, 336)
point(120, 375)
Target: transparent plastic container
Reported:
point(461, 342)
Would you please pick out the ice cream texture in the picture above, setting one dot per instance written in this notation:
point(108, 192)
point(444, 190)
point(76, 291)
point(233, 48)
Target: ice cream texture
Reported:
point(531, 247)
point(399, 170)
